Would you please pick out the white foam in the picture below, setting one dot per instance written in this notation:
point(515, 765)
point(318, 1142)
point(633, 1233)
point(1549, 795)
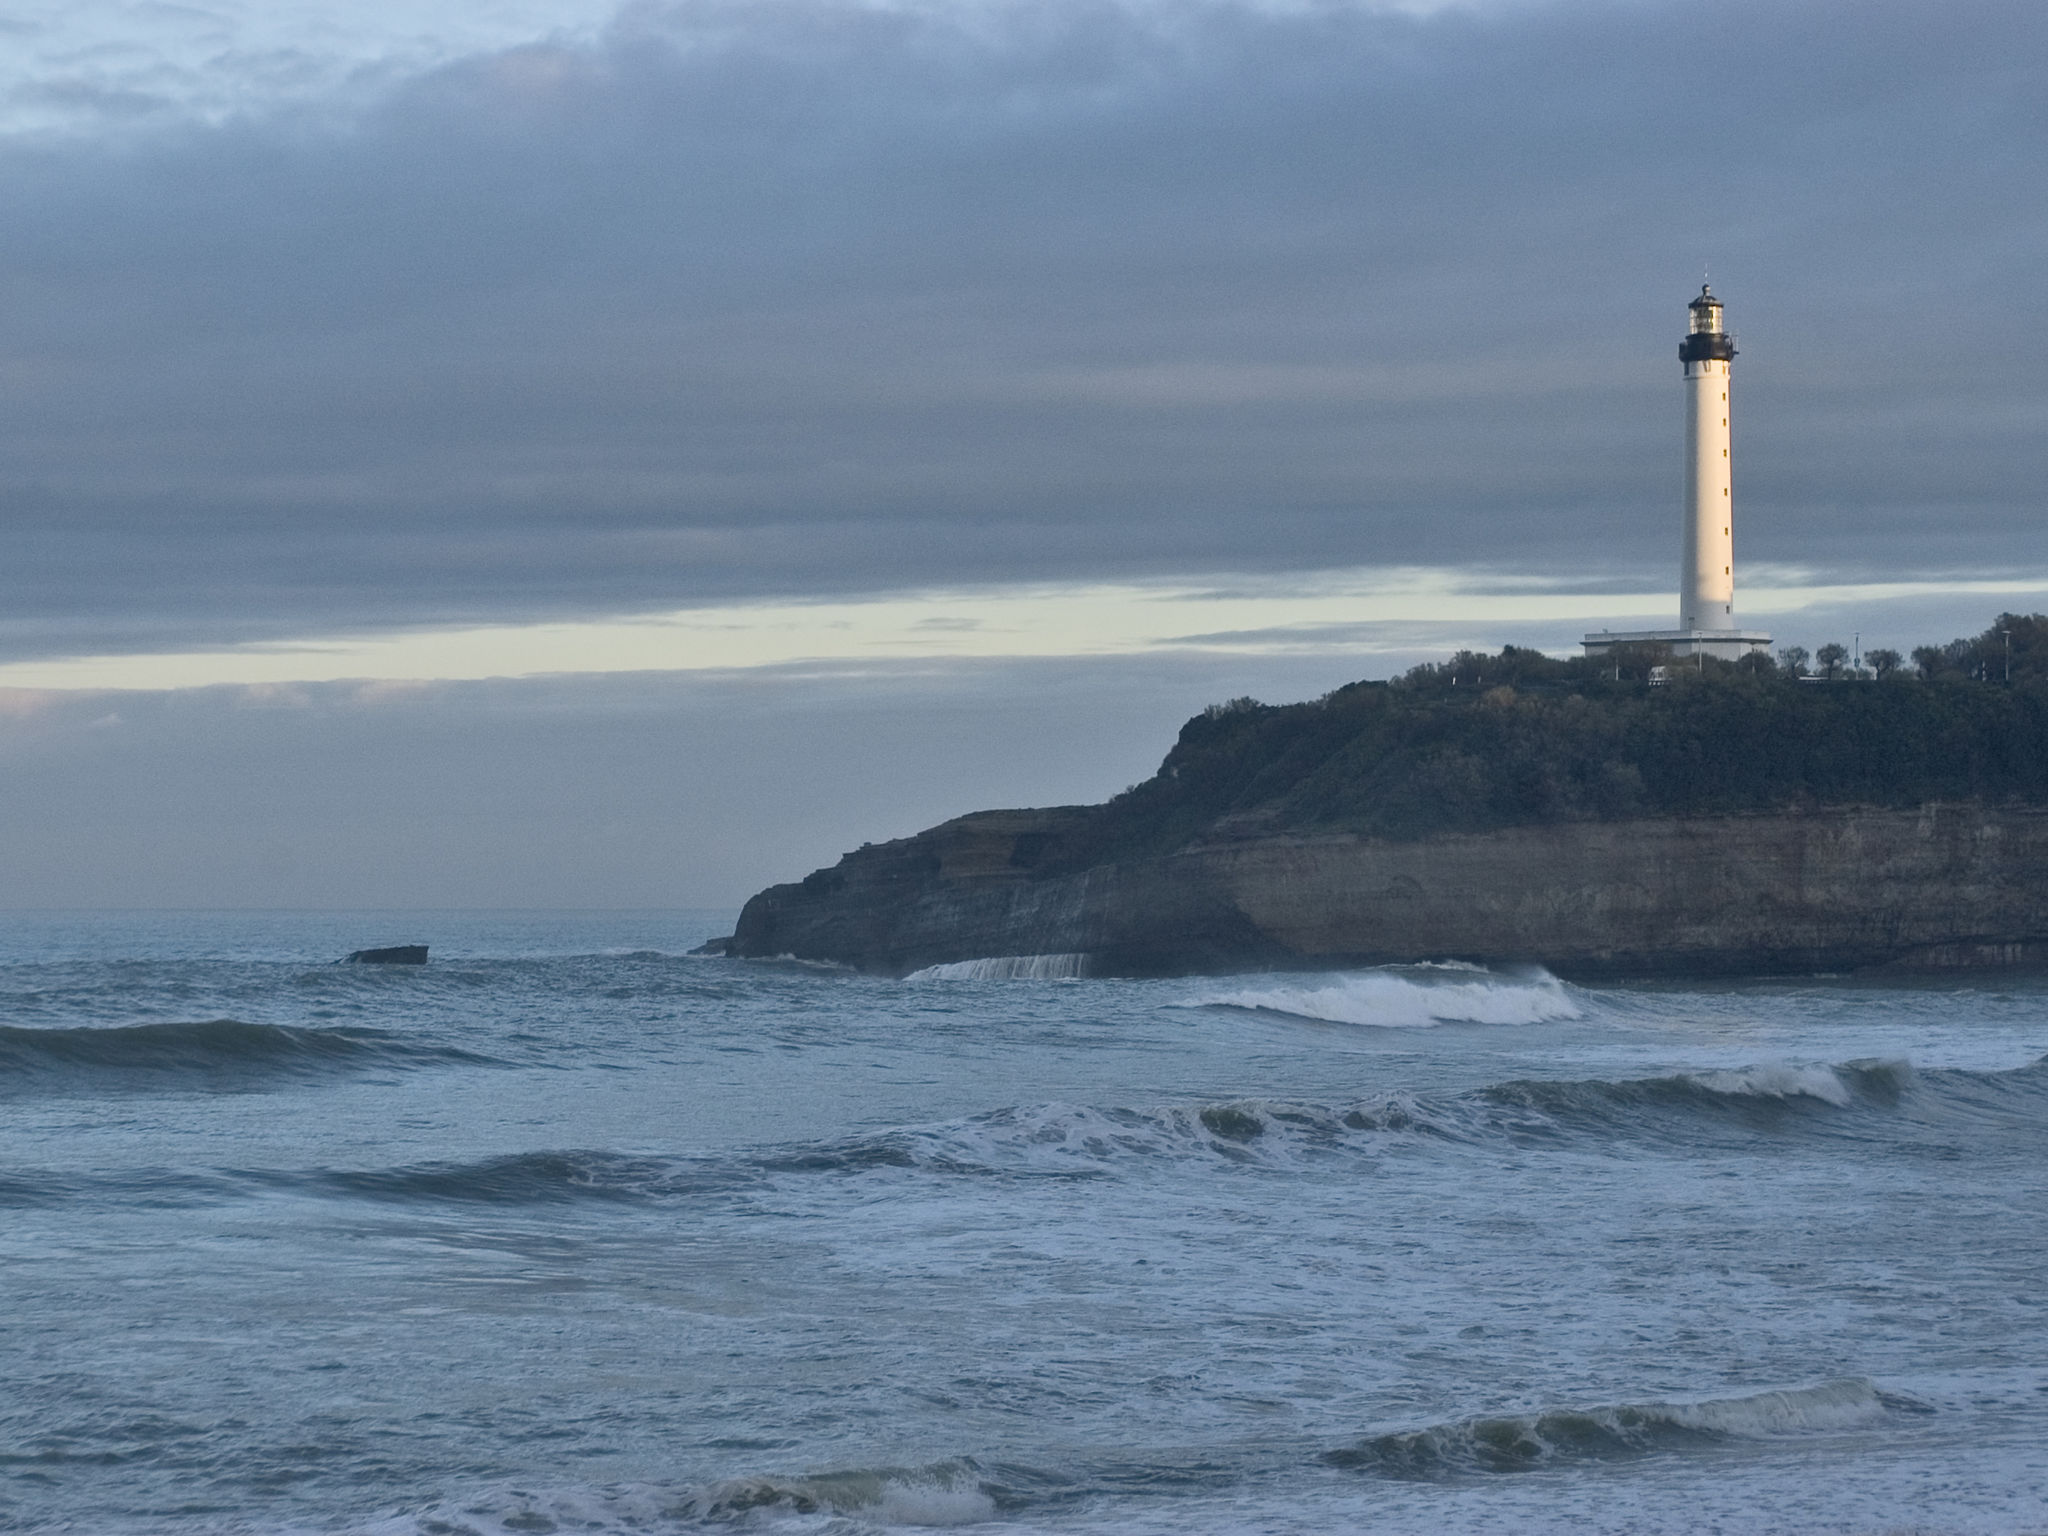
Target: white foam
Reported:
point(1050, 1135)
point(1391, 1000)
point(1832, 1405)
point(1067, 967)
point(786, 958)
point(933, 1504)
point(1778, 1081)
point(947, 1494)
point(1056, 1137)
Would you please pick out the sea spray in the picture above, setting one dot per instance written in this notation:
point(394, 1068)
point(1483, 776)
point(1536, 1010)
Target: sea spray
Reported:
point(1777, 1080)
point(1067, 967)
point(1408, 997)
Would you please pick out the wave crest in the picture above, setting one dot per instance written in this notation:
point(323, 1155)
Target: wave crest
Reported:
point(520, 1178)
point(219, 1053)
point(1409, 997)
point(1523, 1442)
point(1769, 1088)
point(1070, 1141)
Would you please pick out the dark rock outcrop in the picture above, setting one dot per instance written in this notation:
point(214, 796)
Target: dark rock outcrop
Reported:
point(394, 954)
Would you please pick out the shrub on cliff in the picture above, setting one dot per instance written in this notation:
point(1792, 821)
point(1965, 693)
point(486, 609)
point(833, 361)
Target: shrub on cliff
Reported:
point(1488, 741)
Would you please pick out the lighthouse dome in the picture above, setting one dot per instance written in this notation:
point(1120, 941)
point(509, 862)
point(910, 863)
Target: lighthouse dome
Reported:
point(1706, 339)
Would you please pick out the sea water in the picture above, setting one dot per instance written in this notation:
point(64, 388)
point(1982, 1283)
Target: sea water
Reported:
point(568, 1231)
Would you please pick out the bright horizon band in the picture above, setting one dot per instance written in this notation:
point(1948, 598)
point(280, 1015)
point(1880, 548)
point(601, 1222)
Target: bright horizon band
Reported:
point(1300, 613)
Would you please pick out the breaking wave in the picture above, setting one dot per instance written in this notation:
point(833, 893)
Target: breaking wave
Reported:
point(1772, 1090)
point(1864, 1099)
point(1868, 1100)
point(524, 1178)
point(946, 1493)
point(965, 1491)
point(1070, 967)
point(1527, 1441)
point(217, 1053)
point(1410, 997)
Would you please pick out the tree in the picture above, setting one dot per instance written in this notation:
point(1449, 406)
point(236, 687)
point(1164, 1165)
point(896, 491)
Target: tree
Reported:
point(2017, 643)
point(1830, 658)
point(1883, 662)
point(1793, 659)
point(1246, 705)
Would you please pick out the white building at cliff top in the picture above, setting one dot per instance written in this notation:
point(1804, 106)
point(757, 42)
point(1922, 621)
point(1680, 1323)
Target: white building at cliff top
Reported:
point(1706, 580)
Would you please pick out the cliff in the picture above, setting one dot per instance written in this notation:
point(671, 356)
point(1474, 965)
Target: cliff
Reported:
point(1823, 889)
point(1504, 810)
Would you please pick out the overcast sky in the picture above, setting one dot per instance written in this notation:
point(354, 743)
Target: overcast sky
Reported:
point(874, 382)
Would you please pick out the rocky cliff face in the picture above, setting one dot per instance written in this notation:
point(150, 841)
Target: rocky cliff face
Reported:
point(1829, 889)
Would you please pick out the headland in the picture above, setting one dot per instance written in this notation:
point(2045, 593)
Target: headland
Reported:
point(1625, 814)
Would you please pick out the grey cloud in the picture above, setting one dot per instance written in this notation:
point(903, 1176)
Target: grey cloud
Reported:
point(813, 297)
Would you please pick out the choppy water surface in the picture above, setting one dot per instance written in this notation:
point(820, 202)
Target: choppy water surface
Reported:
point(567, 1231)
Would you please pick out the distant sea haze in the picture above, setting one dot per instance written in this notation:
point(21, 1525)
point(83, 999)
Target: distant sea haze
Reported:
point(568, 1230)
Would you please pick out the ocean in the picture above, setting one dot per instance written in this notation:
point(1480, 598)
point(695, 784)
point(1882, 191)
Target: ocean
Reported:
point(569, 1231)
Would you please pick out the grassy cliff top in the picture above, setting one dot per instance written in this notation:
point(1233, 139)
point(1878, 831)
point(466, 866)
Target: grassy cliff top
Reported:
point(1483, 742)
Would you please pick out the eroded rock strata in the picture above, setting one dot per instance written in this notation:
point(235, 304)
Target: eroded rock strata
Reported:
point(1821, 889)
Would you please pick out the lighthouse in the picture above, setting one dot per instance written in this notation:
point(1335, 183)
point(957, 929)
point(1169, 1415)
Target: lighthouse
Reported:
point(1706, 564)
point(1706, 583)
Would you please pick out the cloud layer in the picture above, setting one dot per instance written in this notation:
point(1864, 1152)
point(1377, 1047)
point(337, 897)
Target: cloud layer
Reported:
point(810, 297)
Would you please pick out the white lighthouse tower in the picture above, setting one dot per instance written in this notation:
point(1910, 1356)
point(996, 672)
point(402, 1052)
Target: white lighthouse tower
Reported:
point(1706, 574)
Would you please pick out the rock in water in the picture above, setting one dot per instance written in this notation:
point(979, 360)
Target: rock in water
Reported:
point(395, 954)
